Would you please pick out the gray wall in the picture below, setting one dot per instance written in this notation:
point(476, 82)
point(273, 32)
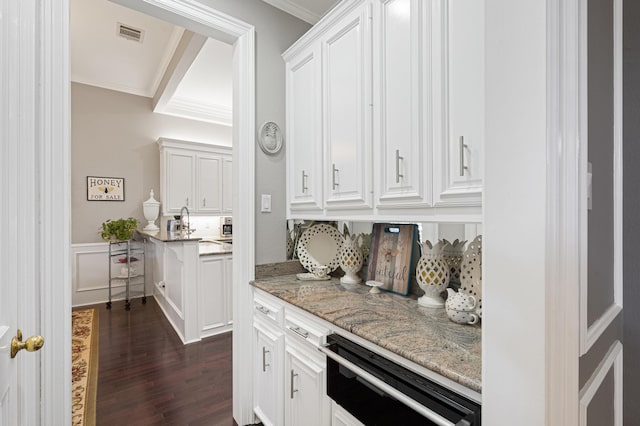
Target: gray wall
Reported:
point(114, 134)
point(275, 32)
point(631, 150)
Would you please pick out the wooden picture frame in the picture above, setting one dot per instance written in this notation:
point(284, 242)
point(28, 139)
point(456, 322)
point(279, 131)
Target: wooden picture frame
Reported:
point(393, 256)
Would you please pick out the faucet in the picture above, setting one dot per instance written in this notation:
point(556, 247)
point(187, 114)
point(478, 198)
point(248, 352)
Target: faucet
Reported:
point(186, 228)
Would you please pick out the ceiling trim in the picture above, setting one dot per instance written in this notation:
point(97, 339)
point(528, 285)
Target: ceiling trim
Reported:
point(186, 108)
point(295, 10)
point(176, 36)
point(182, 58)
point(110, 86)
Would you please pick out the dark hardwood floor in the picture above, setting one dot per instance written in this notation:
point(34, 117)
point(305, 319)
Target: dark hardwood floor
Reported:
point(148, 377)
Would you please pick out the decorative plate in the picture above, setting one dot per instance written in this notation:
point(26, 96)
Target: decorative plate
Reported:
point(320, 245)
point(270, 138)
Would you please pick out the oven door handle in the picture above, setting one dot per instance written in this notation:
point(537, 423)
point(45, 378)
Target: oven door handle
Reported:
point(409, 402)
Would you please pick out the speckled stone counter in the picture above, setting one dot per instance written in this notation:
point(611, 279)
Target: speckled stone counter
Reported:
point(396, 323)
point(168, 237)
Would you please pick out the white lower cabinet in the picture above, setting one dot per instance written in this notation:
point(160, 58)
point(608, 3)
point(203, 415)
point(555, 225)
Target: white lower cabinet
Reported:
point(214, 295)
point(305, 399)
point(289, 371)
point(341, 417)
point(268, 393)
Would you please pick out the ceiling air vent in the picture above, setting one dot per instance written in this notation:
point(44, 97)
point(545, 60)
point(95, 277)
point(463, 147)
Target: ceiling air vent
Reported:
point(130, 33)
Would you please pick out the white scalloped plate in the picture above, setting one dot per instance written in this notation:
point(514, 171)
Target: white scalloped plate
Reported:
point(320, 245)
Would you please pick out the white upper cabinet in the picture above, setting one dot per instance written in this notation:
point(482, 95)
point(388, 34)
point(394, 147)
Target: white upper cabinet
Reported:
point(227, 179)
point(178, 181)
point(402, 105)
point(304, 149)
point(459, 163)
point(194, 175)
point(346, 114)
point(385, 112)
point(209, 169)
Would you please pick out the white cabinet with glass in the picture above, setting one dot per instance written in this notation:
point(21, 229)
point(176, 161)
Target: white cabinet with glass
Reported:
point(195, 175)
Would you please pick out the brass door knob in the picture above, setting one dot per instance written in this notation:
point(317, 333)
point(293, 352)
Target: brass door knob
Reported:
point(32, 344)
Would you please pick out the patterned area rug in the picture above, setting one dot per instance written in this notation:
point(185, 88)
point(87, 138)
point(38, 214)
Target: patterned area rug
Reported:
point(84, 366)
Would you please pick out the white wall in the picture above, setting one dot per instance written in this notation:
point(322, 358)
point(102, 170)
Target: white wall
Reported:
point(114, 134)
point(513, 330)
point(275, 32)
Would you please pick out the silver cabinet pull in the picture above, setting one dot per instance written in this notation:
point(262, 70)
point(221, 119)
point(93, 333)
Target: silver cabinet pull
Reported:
point(304, 182)
point(204, 202)
point(376, 382)
point(186, 202)
point(299, 331)
point(264, 359)
point(293, 374)
point(462, 147)
point(398, 159)
point(263, 309)
point(333, 176)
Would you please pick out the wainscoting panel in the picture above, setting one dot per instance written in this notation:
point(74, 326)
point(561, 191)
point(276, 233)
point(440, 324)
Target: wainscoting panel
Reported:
point(90, 276)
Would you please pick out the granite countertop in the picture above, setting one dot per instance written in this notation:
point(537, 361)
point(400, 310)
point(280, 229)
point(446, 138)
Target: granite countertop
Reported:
point(396, 323)
point(208, 248)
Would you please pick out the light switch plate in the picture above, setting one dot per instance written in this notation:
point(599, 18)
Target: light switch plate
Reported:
point(266, 203)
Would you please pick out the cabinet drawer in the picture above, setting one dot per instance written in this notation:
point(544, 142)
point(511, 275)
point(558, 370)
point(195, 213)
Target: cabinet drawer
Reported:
point(304, 327)
point(268, 309)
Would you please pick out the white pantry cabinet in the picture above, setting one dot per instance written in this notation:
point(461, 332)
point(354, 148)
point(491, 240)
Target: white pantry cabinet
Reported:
point(214, 294)
point(304, 149)
point(403, 131)
point(402, 112)
point(346, 113)
point(268, 391)
point(289, 371)
point(459, 164)
point(194, 175)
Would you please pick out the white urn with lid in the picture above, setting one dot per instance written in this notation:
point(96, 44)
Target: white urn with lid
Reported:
point(432, 274)
point(151, 209)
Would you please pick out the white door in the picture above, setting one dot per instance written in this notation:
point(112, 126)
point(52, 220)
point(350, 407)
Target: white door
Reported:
point(35, 388)
point(267, 359)
point(305, 399)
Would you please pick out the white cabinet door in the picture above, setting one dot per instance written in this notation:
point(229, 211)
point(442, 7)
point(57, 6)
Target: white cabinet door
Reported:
point(209, 183)
point(179, 181)
point(464, 117)
point(304, 150)
point(212, 298)
point(347, 109)
point(227, 185)
point(173, 278)
point(305, 399)
point(268, 389)
point(402, 83)
point(228, 288)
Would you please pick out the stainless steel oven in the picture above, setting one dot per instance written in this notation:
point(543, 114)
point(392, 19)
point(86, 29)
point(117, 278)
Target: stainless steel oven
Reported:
point(378, 391)
point(226, 227)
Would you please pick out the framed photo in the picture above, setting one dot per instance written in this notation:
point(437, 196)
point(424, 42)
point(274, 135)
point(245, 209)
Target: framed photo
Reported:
point(105, 188)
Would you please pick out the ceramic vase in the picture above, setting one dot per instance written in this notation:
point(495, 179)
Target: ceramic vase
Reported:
point(351, 259)
point(453, 256)
point(432, 274)
point(471, 272)
point(151, 209)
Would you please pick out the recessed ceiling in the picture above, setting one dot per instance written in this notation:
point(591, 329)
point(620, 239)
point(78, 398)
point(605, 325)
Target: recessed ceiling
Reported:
point(200, 86)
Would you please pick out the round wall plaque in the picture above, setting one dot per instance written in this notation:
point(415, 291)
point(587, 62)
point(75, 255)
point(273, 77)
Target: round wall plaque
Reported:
point(270, 138)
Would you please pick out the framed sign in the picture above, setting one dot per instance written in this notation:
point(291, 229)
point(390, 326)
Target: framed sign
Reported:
point(105, 188)
point(393, 256)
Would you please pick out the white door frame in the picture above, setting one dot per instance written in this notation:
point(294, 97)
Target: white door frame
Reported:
point(209, 22)
point(54, 141)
